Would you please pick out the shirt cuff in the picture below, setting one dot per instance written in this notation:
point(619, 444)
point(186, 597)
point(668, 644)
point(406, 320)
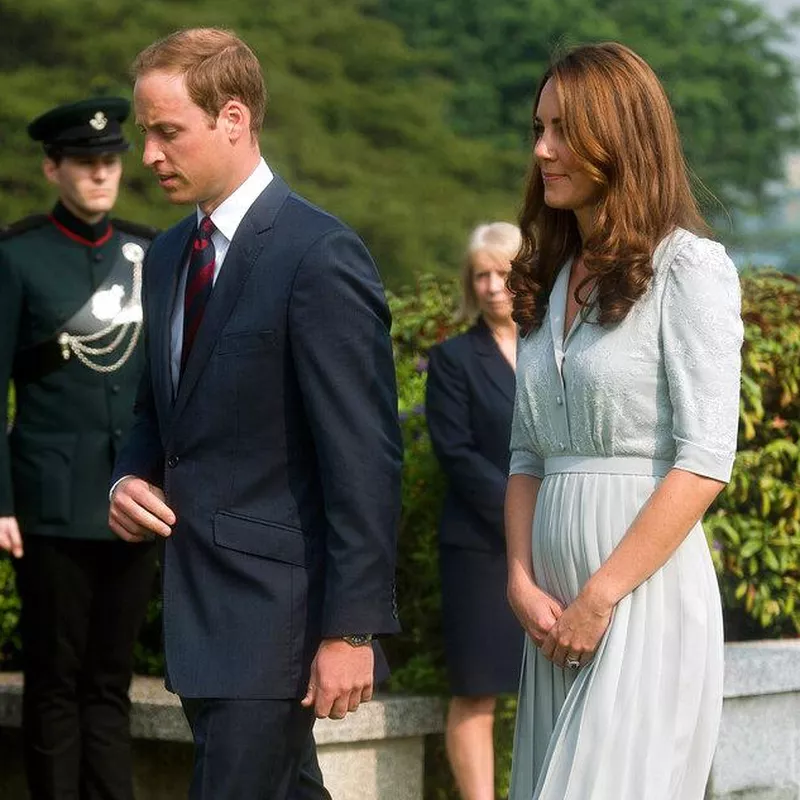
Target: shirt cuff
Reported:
point(117, 483)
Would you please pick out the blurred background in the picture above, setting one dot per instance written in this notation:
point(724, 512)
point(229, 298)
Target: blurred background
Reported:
point(410, 119)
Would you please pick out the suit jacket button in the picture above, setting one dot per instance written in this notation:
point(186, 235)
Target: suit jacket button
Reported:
point(172, 461)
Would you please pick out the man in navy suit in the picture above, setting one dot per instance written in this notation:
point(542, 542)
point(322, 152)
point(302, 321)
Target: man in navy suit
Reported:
point(266, 449)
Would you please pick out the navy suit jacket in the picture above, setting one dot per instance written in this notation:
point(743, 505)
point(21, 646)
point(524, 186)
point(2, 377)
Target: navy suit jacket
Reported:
point(280, 453)
point(469, 405)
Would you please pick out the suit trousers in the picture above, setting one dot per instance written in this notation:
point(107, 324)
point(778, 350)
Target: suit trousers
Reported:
point(83, 603)
point(253, 750)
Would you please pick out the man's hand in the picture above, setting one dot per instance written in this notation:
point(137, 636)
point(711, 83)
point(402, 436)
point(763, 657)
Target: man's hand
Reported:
point(10, 537)
point(139, 511)
point(341, 678)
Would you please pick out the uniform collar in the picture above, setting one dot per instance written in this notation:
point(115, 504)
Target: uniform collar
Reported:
point(78, 230)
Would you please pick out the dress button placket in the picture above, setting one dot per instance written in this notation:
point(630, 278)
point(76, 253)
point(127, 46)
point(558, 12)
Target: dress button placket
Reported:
point(564, 422)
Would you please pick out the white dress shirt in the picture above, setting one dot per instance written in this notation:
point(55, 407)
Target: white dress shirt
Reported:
point(226, 218)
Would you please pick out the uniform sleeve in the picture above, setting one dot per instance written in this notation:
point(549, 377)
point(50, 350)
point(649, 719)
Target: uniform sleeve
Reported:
point(478, 482)
point(142, 454)
point(525, 460)
point(701, 336)
point(11, 298)
point(339, 327)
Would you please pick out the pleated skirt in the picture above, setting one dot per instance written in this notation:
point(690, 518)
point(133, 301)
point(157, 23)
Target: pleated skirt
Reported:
point(640, 721)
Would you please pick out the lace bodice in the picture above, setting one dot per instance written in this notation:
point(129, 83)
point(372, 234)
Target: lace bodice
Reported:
point(661, 384)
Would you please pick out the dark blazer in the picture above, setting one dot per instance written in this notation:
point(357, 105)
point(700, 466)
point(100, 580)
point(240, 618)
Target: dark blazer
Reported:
point(280, 454)
point(469, 404)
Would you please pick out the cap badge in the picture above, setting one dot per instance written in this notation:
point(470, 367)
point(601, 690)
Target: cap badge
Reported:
point(99, 121)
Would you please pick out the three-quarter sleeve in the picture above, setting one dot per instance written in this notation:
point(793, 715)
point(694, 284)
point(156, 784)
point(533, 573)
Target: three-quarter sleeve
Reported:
point(524, 458)
point(526, 462)
point(701, 336)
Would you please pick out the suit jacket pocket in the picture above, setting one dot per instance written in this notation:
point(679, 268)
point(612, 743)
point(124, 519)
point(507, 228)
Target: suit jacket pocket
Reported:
point(41, 473)
point(271, 540)
point(246, 342)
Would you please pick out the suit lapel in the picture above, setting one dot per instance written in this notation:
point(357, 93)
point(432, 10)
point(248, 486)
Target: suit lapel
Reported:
point(492, 361)
point(247, 243)
point(169, 265)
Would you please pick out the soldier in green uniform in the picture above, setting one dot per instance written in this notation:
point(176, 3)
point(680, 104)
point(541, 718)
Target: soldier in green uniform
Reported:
point(70, 318)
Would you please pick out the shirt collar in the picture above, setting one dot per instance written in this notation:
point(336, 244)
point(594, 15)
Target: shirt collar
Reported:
point(229, 214)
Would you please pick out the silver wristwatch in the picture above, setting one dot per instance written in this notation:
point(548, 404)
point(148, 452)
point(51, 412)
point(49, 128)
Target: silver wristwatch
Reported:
point(358, 639)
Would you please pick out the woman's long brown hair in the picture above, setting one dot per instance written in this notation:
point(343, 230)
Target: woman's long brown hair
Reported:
point(618, 122)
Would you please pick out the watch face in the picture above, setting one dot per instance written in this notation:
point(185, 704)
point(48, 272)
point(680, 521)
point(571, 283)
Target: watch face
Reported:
point(358, 639)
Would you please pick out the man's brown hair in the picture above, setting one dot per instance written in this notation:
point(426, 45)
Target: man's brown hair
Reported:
point(217, 67)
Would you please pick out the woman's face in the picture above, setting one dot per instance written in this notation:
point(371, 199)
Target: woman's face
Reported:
point(566, 184)
point(489, 273)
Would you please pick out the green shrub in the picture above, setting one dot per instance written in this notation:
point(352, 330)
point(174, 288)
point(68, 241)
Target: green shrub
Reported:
point(754, 527)
point(422, 316)
point(9, 617)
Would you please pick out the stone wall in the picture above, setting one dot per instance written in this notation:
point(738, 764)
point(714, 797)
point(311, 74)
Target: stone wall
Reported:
point(758, 753)
point(378, 752)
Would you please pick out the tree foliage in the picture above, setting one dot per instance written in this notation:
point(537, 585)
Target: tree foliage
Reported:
point(412, 145)
point(732, 89)
point(352, 122)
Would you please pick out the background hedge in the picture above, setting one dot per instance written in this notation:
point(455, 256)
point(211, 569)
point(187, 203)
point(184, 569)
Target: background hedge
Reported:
point(753, 528)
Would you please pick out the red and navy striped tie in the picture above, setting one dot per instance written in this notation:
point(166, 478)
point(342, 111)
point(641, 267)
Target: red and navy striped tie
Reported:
point(199, 282)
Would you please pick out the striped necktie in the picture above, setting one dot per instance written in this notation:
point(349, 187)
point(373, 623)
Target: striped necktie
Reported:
point(199, 282)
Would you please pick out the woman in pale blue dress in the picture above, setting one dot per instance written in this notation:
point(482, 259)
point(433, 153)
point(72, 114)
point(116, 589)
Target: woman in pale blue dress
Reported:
point(624, 432)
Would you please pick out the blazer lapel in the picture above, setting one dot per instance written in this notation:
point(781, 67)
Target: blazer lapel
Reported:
point(494, 363)
point(247, 243)
point(168, 268)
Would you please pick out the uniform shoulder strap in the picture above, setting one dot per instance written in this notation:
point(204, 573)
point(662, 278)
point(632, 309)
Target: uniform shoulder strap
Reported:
point(23, 226)
point(135, 228)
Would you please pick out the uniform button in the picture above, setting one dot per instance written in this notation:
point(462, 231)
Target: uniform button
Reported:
point(98, 256)
point(559, 400)
point(172, 461)
point(115, 388)
point(118, 432)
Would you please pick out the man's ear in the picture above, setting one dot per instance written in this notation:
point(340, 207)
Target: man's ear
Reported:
point(50, 170)
point(235, 117)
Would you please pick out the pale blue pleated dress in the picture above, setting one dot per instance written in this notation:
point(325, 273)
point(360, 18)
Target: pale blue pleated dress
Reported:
point(601, 417)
